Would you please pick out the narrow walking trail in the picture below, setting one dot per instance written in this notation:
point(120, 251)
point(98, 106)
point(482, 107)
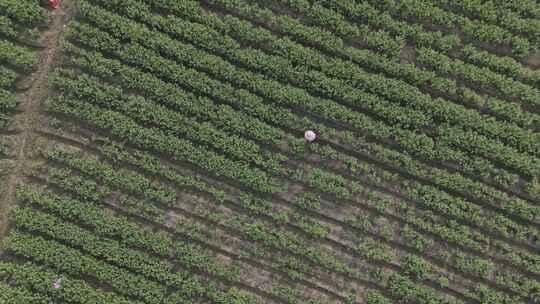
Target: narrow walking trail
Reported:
point(30, 116)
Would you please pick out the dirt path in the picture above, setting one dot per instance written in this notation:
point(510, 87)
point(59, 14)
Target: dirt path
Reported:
point(29, 119)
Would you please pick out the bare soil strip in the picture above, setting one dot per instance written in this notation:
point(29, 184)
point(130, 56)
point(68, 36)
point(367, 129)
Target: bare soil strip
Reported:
point(29, 119)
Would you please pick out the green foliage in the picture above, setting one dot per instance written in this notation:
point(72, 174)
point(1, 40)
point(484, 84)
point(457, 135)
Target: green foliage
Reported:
point(25, 12)
point(411, 192)
point(474, 265)
point(38, 278)
point(17, 56)
point(416, 268)
point(309, 201)
point(7, 78)
point(8, 101)
point(374, 297)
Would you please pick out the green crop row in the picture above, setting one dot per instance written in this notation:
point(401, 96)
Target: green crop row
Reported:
point(525, 8)
point(109, 65)
point(451, 113)
point(497, 227)
point(8, 102)
point(115, 153)
point(112, 252)
point(131, 182)
point(243, 29)
point(188, 255)
point(129, 234)
point(7, 77)
point(262, 207)
point(260, 232)
point(135, 79)
point(474, 30)
point(7, 28)
point(74, 262)
point(16, 295)
point(258, 210)
point(507, 159)
point(109, 250)
point(493, 61)
point(154, 68)
point(411, 141)
point(251, 11)
point(379, 41)
point(258, 204)
point(363, 12)
point(388, 88)
point(527, 27)
point(148, 113)
point(17, 56)
point(504, 65)
point(253, 204)
point(508, 87)
point(254, 82)
point(84, 87)
point(178, 149)
point(29, 13)
point(40, 279)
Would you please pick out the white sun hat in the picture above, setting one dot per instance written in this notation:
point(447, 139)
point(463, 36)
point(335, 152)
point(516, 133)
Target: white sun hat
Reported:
point(310, 135)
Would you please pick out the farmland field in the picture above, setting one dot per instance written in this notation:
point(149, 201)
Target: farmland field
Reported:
point(154, 151)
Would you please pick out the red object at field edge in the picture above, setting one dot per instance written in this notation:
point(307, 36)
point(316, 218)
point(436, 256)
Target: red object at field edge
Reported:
point(54, 4)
